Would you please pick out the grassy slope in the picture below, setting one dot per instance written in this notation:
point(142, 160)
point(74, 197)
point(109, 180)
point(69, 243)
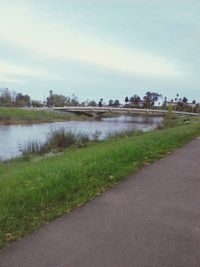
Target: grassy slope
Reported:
point(39, 190)
point(18, 115)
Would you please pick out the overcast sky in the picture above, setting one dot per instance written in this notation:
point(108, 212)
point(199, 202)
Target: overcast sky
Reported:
point(100, 48)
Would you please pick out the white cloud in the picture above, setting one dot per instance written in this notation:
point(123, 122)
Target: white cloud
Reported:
point(9, 69)
point(56, 39)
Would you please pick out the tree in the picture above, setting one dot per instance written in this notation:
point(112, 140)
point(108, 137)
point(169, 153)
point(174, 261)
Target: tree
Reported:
point(100, 104)
point(197, 108)
point(126, 100)
point(116, 103)
point(68, 101)
point(176, 98)
point(135, 100)
point(150, 98)
point(36, 104)
point(164, 104)
point(22, 100)
point(110, 103)
point(184, 100)
point(59, 100)
point(5, 97)
point(13, 96)
point(92, 103)
point(182, 104)
point(74, 100)
point(50, 100)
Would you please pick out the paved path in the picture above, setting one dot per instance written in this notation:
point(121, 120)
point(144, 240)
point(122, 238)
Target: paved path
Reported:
point(150, 220)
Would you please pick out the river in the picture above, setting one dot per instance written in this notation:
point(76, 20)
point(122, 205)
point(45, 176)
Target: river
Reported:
point(12, 137)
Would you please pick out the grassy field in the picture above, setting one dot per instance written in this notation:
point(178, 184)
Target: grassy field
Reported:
point(36, 190)
point(19, 115)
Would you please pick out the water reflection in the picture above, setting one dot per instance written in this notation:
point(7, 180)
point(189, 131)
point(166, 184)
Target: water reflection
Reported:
point(12, 137)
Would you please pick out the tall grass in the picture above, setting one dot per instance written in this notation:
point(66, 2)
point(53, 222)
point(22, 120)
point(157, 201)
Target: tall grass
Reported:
point(58, 140)
point(41, 189)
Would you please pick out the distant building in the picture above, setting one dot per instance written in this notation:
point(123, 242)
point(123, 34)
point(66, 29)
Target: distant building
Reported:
point(175, 103)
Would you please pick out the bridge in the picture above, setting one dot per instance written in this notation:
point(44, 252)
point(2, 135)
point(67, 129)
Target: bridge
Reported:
point(97, 112)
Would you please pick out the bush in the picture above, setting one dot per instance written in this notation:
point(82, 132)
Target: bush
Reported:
point(169, 121)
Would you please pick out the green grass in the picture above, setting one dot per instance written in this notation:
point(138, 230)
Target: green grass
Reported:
point(37, 190)
point(19, 115)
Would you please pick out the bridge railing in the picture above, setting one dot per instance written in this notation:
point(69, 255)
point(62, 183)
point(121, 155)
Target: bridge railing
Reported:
point(120, 110)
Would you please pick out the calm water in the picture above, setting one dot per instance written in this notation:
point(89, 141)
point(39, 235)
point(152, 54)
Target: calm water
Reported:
point(12, 137)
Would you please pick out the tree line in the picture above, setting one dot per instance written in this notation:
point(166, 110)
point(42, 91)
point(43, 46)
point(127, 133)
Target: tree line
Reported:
point(13, 99)
point(149, 100)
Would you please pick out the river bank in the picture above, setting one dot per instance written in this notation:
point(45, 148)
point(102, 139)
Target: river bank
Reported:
point(15, 137)
point(35, 190)
point(28, 116)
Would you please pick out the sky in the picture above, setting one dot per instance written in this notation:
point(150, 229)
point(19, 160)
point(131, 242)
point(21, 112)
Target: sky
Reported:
point(96, 49)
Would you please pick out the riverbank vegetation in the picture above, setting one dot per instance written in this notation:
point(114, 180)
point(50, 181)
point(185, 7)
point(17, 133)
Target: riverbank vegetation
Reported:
point(56, 141)
point(37, 189)
point(20, 115)
point(61, 139)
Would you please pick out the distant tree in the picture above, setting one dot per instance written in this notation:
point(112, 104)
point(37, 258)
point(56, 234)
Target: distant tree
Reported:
point(126, 100)
point(182, 104)
point(22, 100)
point(13, 97)
point(194, 102)
point(100, 104)
point(50, 99)
point(164, 104)
point(5, 97)
point(68, 101)
point(197, 108)
point(184, 100)
point(74, 100)
point(179, 104)
point(36, 104)
point(135, 100)
point(59, 100)
point(92, 103)
point(116, 103)
point(176, 98)
point(150, 98)
point(55, 100)
point(110, 103)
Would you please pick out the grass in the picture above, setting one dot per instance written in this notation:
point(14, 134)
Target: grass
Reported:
point(38, 189)
point(19, 115)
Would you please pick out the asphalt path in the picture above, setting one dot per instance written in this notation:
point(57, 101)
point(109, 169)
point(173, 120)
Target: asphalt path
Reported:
point(152, 219)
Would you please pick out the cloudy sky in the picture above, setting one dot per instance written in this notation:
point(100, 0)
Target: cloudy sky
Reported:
point(100, 48)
